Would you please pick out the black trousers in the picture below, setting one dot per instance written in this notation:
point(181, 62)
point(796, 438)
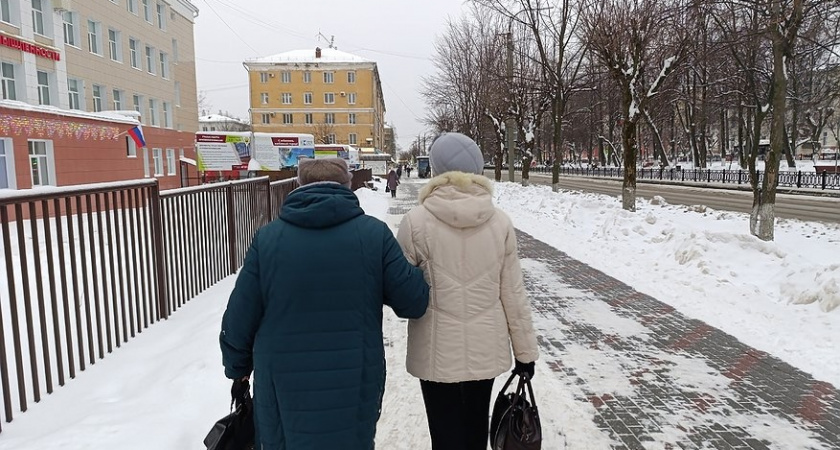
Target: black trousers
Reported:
point(458, 413)
point(393, 193)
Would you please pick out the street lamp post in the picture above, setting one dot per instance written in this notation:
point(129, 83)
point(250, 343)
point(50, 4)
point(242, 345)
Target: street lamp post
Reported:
point(510, 124)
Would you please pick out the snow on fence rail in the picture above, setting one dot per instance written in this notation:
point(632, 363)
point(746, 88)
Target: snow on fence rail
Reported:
point(87, 268)
point(799, 179)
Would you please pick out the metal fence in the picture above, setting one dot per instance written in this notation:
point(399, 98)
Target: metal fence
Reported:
point(87, 269)
point(799, 179)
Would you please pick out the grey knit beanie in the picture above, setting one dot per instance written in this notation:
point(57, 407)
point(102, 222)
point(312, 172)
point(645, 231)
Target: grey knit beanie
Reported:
point(455, 152)
point(327, 169)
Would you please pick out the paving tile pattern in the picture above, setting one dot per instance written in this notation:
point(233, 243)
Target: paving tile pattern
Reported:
point(761, 385)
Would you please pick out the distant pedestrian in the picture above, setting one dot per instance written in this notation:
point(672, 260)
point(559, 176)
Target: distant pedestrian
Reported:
point(399, 171)
point(467, 248)
point(407, 171)
point(393, 182)
point(306, 315)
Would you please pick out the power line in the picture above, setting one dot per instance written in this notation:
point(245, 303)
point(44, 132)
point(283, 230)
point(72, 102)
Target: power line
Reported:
point(226, 88)
point(393, 91)
point(229, 27)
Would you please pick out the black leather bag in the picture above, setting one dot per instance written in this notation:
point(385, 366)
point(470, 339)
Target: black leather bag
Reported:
point(236, 430)
point(515, 423)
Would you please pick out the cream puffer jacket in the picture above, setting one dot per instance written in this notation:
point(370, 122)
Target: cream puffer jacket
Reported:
point(477, 306)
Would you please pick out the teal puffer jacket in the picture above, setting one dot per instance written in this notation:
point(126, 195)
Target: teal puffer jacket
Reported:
point(306, 318)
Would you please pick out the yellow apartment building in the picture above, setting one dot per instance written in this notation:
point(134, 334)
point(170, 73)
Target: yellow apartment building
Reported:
point(333, 95)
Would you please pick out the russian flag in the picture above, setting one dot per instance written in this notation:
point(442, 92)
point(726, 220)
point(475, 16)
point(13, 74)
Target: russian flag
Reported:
point(136, 133)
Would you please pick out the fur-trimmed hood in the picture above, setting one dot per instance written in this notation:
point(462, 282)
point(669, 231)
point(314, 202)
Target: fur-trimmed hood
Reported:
point(461, 200)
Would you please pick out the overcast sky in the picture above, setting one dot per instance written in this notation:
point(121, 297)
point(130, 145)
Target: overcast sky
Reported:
point(398, 34)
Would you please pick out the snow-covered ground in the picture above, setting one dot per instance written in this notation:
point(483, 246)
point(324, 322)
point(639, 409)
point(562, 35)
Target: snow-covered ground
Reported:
point(774, 296)
point(164, 389)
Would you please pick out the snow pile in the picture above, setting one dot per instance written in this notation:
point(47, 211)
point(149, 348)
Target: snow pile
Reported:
point(704, 263)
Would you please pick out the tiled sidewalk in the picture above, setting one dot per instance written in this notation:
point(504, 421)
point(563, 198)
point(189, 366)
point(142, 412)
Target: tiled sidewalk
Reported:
point(652, 378)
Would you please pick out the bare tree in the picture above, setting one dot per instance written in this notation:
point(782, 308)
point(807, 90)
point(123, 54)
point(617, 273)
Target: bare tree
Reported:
point(629, 38)
point(324, 132)
point(559, 53)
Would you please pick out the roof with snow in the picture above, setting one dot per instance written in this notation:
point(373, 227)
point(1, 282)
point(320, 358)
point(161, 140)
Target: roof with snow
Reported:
point(128, 117)
point(328, 55)
point(218, 118)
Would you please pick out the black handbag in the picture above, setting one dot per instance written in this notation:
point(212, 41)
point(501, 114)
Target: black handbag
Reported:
point(515, 423)
point(236, 430)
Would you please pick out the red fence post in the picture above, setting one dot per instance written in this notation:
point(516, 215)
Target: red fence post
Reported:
point(231, 228)
point(157, 243)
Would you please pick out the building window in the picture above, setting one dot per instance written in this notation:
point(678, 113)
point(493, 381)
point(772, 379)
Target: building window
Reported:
point(175, 57)
point(118, 99)
point(138, 101)
point(130, 147)
point(7, 81)
point(145, 162)
point(263, 77)
point(288, 119)
point(266, 118)
point(38, 16)
point(5, 11)
point(114, 45)
point(307, 119)
point(43, 88)
point(331, 138)
point(329, 77)
point(352, 139)
point(286, 77)
point(161, 16)
point(150, 59)
point(307, 77)
point(132, 6)
point(97, 97)
point(147, 11)
point(170, 161)
point(351, 118)
point(329, 98)
point(264, 98)
point(351, 77)
point(157, 156)
point(177, 93)
point(287, 98)
point(133, 56)
point(74, 88)
point(7, 165)
point(154, 120)
point(164, 65)
point(71, 28)
point(94, 37)
point(167, 115)
point(41, 163)
point(351, 98)
point(329, 118)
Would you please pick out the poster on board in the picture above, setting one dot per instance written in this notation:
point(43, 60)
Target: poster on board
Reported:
point(221, 151)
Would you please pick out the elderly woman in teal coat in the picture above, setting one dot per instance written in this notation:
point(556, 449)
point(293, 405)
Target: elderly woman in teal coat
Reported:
point(305, 316)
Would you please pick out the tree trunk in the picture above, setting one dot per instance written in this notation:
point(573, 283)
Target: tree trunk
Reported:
point(767, 209)
point(628, 191)
point(556, 110)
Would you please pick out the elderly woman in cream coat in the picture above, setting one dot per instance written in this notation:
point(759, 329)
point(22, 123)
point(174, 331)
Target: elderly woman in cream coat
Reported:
point(478, 308)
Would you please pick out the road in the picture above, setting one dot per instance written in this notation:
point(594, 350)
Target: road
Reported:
point(803, 207)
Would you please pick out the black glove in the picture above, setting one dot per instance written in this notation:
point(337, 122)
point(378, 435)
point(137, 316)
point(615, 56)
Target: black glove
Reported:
point(240, 387)
point(524, 369)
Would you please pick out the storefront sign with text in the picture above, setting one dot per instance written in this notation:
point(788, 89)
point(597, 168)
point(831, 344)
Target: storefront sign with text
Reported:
point(15, 43)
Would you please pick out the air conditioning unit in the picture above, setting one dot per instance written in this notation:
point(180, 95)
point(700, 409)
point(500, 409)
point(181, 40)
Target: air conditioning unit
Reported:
point(342, 93)
point(62, 5)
